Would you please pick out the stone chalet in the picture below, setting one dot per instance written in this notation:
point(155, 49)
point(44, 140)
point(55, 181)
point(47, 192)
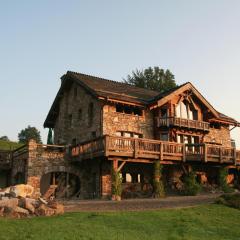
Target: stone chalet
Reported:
point(100, 125)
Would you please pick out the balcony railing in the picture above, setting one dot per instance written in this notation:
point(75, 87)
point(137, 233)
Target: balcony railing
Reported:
point(182, 122)
point(150, 150)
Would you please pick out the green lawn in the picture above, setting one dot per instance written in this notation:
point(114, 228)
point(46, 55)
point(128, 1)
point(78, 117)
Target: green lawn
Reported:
point(203, 222)
point(5, 145)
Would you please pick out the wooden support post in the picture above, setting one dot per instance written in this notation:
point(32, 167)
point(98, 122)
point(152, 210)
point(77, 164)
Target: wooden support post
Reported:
point(121, 166)
point(115, 165)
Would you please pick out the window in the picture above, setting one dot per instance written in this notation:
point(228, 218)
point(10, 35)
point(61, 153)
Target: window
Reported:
point(128, 134)
point(186, 111)
point(90, 114)
point(79, 114)
point(164, 137)
point(164, 113)
point(129, 109)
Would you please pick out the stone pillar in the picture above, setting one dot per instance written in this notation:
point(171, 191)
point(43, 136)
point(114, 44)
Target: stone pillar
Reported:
point(106, 180)
point(32, 180)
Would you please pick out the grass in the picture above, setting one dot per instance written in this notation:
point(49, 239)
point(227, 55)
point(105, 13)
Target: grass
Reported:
point(202, 222)
point(8, 145)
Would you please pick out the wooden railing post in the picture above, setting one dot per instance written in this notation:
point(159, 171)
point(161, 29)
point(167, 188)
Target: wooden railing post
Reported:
point(135, 148)
point(184, 152)
point(220, 155)
point(235, 156)
point(204, 152)
point(161, 152)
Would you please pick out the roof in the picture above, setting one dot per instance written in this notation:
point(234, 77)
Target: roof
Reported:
point(119, 91)
point(112, 89)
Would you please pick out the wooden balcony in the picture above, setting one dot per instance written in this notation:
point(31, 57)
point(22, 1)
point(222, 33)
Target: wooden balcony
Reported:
point(181, 122)
point(147, 150)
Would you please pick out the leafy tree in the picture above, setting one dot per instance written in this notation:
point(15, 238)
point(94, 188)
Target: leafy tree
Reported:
point(29, 133)
point(4, 138)
point(152, 78)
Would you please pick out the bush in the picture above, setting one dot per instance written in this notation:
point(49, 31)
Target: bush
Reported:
point(158, 185)
point(230, 200)
point(116, 183)
point(191, 187)
point(222, 180)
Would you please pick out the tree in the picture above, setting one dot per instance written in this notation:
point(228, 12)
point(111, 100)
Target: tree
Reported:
point(29, 133)
point(152, 78)
point(50, 137)
point(4, 138)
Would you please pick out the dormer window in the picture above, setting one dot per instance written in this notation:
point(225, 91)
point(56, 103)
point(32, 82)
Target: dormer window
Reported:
point(134, 110)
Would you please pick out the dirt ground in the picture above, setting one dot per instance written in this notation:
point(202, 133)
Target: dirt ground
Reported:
point(137, 204)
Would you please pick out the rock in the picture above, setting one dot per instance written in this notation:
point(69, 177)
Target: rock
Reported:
point(21, 190)
point(30, 207)
point(4, 198)
point(21, 210)
point(58, 207)
point(44, 210)
point(11, 203)
point(9, 212)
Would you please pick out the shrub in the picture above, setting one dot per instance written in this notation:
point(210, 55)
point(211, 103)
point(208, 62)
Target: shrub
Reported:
point(116, 183)
point(158, 185)
point(191, 187)
point(222, 180)
point(230, 200)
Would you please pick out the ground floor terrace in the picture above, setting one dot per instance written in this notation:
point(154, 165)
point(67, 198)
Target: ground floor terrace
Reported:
point(133, 159)
point(85, 171)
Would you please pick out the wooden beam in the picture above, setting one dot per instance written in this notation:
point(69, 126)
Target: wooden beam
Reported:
point(121, 166)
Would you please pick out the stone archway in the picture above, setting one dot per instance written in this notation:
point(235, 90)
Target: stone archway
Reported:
point(66, 179)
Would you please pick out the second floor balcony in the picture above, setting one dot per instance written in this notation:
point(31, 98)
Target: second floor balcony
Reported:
point(182, 122)
point(148, 150)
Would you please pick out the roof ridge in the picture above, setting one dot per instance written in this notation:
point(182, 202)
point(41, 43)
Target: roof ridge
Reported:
point(113, 81)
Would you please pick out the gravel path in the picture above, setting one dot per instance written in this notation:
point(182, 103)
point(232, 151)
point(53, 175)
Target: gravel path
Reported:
point(137, 204)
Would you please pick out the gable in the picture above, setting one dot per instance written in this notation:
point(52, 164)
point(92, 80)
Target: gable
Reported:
point(179, 93)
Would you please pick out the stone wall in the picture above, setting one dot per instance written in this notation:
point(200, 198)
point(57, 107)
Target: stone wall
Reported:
point(73, 117)
point(39, 160)
point(219, 136)
point(114, 122)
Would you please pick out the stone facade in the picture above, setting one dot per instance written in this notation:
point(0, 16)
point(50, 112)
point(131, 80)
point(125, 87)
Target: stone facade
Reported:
point(73, 122)
point(120, 122)
point(220, 136)
point(40, 160)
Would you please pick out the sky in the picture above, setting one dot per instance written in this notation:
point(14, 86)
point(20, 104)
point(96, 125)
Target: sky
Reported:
point(199, 41)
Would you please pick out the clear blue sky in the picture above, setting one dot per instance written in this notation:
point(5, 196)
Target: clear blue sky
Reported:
point(199, 41)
